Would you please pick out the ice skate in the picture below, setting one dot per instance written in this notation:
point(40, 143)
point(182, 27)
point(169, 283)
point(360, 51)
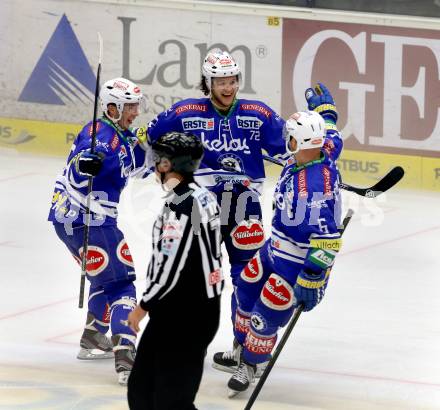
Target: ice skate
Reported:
point(124, 359)
point(95, 345)
point(243, 376)
point(228, 361)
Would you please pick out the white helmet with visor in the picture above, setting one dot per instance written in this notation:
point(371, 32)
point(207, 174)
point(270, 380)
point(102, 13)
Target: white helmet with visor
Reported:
point(219, 64)
point(307, 128)
point(120, 92)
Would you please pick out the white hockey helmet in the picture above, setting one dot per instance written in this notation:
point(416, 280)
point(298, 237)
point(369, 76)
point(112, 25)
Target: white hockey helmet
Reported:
point(219, 63)
point(307, 128)
point(120, 91)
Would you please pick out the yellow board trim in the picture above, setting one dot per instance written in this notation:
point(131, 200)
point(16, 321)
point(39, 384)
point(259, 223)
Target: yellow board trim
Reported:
point(37, 137)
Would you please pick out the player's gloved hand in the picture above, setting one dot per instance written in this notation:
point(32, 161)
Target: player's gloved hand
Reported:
point(141, 134)
point(309, 289)
point(320, 100)
point(90, 164)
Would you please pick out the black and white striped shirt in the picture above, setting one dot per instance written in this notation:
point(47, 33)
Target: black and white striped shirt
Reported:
point(185, 266)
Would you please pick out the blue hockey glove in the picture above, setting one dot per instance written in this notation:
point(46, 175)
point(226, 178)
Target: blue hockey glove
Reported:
point(321, 101)
point(90, 164)
point(309, 289)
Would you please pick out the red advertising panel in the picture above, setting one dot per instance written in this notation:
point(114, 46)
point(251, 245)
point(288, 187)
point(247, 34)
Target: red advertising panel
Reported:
point(385, 81)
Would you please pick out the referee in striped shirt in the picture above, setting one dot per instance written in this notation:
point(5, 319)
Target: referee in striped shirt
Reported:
point(184, 283)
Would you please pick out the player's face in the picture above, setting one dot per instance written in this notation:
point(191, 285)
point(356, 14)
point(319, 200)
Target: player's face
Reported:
point(129, 114)
point(223, 91)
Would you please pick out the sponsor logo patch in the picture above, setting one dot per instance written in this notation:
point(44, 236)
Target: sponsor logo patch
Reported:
point(215, 277)
point(114, 143)
point(97, 260)
point(248, 235)
point(191, 107)
point(302, 184)
point(327, 183)
point(260, 344)
point(197, 123)
point(248, 123)
point(106, 315)
point(242, 322)
point(123, 254)
point(277, 294)
point(327, 244)
point(253, 271)
point(322, 258)
point(256, 107)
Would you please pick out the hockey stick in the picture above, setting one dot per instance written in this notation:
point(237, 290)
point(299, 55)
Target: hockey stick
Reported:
point(286, 334)
point(90, 183)
point(383, 185)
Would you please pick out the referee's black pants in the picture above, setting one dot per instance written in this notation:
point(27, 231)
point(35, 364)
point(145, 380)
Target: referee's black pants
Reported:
point(169, 362)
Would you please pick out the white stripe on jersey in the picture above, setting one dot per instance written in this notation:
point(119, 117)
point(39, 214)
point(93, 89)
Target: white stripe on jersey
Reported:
point(286, 256)
point(287, 238)
point(288, 247)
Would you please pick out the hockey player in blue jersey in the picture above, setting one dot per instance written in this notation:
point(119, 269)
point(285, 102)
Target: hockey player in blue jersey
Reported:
point(234, 133)
point(292, 266)
point(110, 270)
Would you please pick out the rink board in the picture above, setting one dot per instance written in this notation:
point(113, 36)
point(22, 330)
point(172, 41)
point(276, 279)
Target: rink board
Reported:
point(360, 167)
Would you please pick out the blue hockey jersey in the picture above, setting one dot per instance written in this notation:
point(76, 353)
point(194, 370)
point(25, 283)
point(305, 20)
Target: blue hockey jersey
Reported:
point(123, 156)
point(308, 210)
point(233, 143)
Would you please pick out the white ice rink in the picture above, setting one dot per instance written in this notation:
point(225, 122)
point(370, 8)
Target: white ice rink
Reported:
point(373, 343)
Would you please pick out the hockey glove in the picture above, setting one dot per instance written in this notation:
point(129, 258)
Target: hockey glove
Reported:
point(90, 164)
point(321, 101)
point(309, 288)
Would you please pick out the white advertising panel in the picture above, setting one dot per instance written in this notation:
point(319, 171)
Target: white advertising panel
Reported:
point(51, 52)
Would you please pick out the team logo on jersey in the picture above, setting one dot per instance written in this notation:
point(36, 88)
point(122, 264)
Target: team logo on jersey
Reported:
point(277, 294)
point(197, 123)
point(248, 123)
point(97, 260)
point(123, 253)
point(231, 162)
point(260, 344)
point(63, 75)
point(258, 322)
point(253, 271)
point(248, 235)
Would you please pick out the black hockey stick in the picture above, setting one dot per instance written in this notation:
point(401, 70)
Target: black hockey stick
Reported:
point(286, 334)
point(383, 185)
point(90, 184)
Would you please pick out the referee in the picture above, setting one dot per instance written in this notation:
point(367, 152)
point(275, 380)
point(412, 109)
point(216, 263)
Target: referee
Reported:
point(184, 283)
